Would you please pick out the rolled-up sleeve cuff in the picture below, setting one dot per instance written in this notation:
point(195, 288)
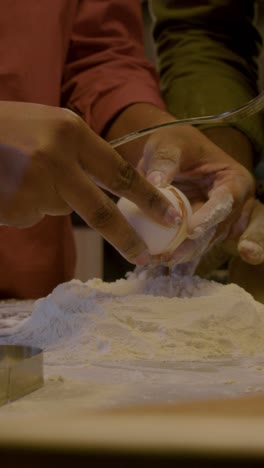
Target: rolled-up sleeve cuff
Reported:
point(98, 113)
point(106, 109)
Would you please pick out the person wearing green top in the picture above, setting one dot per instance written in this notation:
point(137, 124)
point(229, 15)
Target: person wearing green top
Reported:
point(208, 53)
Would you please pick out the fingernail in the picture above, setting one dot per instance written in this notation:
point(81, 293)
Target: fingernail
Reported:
point(172, 216)
point(143, 259)
point(155, 178)
point(251, 251)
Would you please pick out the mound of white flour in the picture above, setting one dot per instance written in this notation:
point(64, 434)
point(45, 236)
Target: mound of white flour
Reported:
point(149, 316)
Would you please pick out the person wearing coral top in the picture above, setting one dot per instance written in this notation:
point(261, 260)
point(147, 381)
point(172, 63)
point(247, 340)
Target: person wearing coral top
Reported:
point(69, 71)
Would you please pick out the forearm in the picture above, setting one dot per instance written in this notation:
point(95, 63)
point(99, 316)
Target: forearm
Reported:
point(141, 115)
point(135, 117)
point(234, 143)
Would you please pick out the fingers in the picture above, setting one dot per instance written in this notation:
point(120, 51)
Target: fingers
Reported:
point(110, 171)
point(204, 228)
point(251, 243)
point(101, 213)
point(160, 162)
point(21, 219)
point(214, 211)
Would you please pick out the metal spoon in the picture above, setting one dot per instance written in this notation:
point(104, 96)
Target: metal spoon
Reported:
point(248, 109)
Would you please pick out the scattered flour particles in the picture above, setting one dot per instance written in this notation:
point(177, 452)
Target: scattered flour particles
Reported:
point(149, 316)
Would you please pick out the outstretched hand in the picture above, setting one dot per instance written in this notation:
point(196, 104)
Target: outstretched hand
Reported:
point(51, 163)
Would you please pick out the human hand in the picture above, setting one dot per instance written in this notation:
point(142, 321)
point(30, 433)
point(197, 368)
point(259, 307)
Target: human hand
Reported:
point(247, 239)
point(247, 265)
point(52, 163)
point(218, 188)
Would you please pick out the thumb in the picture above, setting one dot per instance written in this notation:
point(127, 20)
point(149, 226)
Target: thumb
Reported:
point(214, 211)
point(251, 243)
point(161, 162)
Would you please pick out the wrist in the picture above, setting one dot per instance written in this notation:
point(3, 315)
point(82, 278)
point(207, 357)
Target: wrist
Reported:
point(133, 118)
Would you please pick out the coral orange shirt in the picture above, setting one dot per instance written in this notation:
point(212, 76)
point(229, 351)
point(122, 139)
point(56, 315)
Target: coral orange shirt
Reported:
point(87, 55)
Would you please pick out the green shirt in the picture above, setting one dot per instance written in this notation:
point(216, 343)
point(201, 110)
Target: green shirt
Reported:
point(208, 58)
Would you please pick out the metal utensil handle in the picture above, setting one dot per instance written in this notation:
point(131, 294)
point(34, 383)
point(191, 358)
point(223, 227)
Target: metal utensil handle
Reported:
point(247, 110)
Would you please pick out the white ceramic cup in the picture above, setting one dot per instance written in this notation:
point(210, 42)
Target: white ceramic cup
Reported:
point(159, 239)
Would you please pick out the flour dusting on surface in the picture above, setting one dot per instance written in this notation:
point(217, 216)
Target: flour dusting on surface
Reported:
point(148, 316)
point(150, 338)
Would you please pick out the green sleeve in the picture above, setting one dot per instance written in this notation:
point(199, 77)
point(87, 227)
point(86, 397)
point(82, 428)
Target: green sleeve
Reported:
point(208, 58)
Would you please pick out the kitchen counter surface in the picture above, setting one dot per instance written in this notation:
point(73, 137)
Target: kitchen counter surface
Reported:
point(79, 420)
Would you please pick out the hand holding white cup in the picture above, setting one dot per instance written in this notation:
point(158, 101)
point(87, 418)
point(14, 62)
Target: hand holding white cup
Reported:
point(160, 240)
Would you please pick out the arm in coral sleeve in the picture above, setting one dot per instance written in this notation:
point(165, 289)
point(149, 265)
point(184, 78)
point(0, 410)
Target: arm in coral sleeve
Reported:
point(208, 55)
point(106, 69)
